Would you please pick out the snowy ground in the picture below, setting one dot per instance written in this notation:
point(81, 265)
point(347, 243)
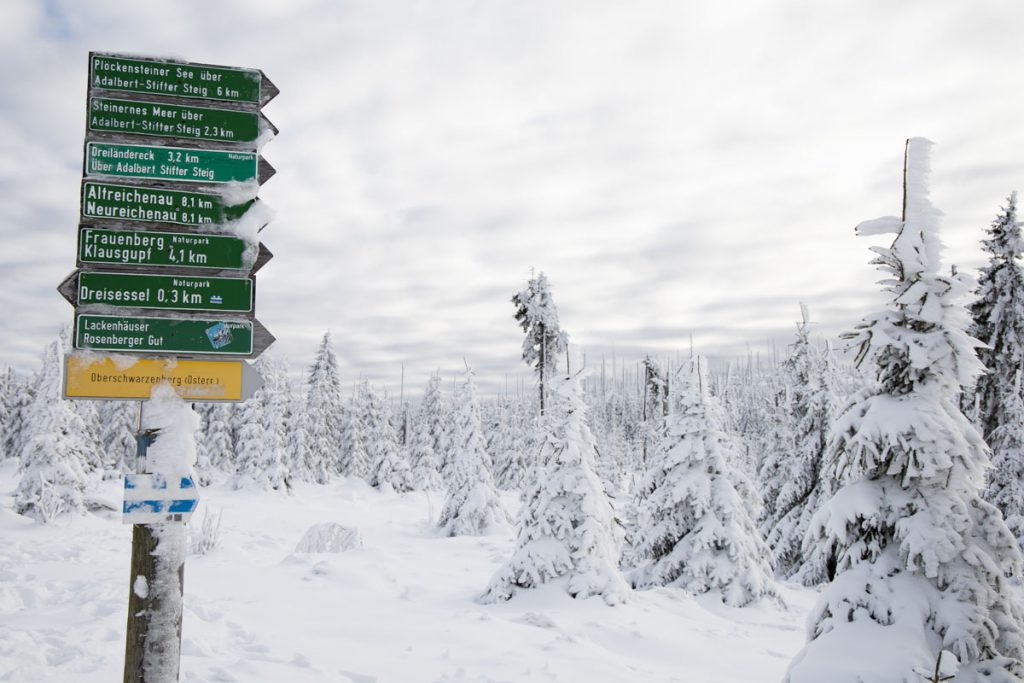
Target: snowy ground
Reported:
point(401, 609)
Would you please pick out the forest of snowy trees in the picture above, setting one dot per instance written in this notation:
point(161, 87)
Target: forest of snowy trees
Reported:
point(892, 477)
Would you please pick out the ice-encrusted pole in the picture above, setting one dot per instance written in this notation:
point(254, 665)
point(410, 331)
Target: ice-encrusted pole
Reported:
point(153, 643)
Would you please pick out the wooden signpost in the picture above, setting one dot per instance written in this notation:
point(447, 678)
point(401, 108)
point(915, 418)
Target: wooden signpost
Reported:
point(166, 256)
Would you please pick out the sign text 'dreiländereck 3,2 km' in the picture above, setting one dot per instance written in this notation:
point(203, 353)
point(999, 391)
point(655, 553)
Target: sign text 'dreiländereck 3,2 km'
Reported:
point(169, 163)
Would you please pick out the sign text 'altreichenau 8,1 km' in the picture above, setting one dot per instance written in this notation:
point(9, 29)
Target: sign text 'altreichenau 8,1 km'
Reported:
point(156, 205)
point(171, 249)
point(169, 163)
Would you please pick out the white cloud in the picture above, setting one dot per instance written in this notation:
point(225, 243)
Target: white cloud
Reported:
point(673, 167)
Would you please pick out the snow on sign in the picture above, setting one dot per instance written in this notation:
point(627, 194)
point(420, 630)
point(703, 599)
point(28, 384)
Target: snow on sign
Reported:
point(121, 73)
point(170, 217)
point(172, 163)
point(129, 378)
point(154, 498)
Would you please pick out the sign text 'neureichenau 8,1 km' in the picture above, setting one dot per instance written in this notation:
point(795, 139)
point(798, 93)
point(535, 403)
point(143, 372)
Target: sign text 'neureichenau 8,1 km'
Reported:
point(171, 120)
point(173, 249)
point(156, 205)
point(169, 163)
point(175, 79)
point(180, 292)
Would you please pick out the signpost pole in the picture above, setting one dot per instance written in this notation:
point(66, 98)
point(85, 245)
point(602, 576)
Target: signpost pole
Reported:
point(164, 141)
point(153, 643)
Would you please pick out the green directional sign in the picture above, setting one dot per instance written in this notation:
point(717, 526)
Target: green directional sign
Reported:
point(175, 79)
point(174, 249)
point(169, 163)
point(154, 205)
point(180, 292)
point(172, 120)
point(167, 335)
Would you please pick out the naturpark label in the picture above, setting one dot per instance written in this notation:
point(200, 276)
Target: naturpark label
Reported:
point(175, 79)
point(169, 163)
point(180, 292)
point(173, 249)
point(90, 377)
point(171, 120)
point(153, 205)
point(163, 335)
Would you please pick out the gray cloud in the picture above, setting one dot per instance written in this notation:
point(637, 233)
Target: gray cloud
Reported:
point(673, 169)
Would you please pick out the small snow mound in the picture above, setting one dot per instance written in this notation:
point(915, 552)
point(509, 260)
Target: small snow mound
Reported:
point(329, 538)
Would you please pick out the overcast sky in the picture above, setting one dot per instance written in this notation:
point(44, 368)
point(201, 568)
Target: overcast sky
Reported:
point(675, 168)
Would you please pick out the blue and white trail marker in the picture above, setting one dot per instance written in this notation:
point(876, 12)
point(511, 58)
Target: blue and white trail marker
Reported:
point(154, 498)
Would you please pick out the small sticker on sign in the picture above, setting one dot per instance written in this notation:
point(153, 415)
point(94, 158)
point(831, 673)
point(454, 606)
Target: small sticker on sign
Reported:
point(220, 335)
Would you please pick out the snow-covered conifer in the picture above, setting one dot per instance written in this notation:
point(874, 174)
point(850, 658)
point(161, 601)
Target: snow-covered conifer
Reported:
point(324, 410)
point(389, 465)
point(260, 458)
point(472, 506)
point(998, 315)
point(119, 421)
point(424, 460)
point(921, 559)
point(55, 450)
point(219, 438)
point(355, 458)
point(545, 341)
point(567, 529)
point(8, 403)
point(694, 530)
point(800, 487)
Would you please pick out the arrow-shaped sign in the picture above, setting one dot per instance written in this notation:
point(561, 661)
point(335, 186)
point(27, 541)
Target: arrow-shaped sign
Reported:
point(174, 292)
point(170, 78)
point(118, 204)
point(179, 121)
point(175, 164)
point(190, 336)
point(188, 250)
point(218, 381)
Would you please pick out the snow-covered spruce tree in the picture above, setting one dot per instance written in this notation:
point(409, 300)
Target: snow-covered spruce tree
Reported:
point(355, 457)
point(472, 506)
point(920, 557)
point(567, 529)
point(389, 465)
point(324, 412)
point(260, 459)
point(424, 461)
point(800, 488)
point(219, 438)
point(119, 420)
point(694, 530)
point(55, 451)
point(775, 445)
point(8, 402)
point(14, 435)
point(655, 405)
point(545, 341)
point(1006, 479)
point(300, 463)
point(203, 468)
point(998, 315)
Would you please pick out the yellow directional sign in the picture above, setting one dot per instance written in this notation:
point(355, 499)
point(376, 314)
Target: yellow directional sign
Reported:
point(92, 376)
